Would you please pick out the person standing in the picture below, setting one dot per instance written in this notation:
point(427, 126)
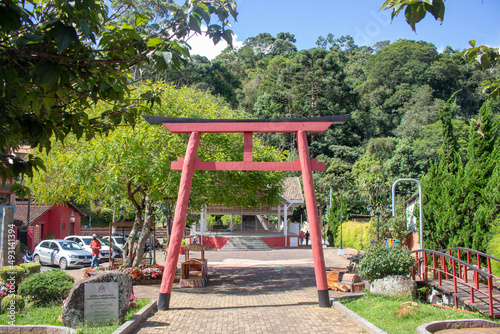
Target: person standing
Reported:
point(301, 236)
point(307, 238)
point(96, 247)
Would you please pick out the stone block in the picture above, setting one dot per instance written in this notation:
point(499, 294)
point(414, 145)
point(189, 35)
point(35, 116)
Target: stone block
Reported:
point(73, 312)
point(394, 286)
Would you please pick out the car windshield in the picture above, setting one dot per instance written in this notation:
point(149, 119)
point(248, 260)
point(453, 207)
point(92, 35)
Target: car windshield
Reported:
point(70, 245)
point(87, 241)
point(119, 240)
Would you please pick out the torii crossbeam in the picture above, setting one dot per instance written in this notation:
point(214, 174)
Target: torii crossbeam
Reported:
point(195, 127)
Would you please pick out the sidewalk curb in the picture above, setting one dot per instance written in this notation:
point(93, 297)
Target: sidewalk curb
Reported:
point(134, 322)
point(354, 317)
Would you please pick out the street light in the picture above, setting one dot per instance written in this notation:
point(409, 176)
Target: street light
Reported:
point(341, 250)
point(377, 213)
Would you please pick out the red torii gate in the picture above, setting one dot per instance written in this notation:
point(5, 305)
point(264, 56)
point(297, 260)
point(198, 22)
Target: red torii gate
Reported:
point(190, 163)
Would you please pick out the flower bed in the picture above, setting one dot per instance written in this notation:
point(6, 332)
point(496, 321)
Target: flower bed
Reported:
point(137, 274)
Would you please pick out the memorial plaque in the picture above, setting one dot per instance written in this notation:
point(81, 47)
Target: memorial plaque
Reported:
point(101, 302)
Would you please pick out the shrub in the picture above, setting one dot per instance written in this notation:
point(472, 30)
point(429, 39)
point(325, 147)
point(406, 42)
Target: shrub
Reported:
point(47, 287)
point(7, 272)
point(381, 261)
point(494, 250)
point(354, 235)
point(31, 268)
point(330, 237)
point(16, 300)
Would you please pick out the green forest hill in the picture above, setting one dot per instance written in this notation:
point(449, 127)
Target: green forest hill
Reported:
point(401, 124)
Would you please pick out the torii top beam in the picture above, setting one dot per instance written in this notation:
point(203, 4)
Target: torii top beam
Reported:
point(187, 125)
point(248, 127)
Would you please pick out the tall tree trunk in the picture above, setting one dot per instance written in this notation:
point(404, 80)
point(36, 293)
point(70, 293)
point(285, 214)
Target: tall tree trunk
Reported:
point(147, 228)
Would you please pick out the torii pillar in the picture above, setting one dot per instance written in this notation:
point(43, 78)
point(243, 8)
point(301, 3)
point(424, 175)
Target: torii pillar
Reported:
point(195, 127)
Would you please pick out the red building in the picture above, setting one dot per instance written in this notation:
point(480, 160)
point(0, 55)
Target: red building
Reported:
point(43, 221)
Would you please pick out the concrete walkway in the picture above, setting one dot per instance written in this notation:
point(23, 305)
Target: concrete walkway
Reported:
point(252, 292)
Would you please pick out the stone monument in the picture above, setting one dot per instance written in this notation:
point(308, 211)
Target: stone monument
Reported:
point(98, 299)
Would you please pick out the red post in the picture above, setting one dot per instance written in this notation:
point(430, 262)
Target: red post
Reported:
point(248, 146)
point(490, 295)
point(425, 267)
point(459, 265)
point(454, 276)
point(434, 266)
point(179, 223)
point(445, 267)
point(313, 219)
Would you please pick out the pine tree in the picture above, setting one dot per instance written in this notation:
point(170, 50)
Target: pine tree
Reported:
point(483, 135)
point(441, 188)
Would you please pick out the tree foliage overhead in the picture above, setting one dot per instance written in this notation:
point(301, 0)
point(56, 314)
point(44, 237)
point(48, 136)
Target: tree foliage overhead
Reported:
point(416, 10)
point(58, 58)
point(129, 169)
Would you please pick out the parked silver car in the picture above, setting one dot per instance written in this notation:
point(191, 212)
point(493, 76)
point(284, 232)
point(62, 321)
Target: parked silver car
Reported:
point(84, 241)
point(64, 253)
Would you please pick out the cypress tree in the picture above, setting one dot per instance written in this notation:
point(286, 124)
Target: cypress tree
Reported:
point(475, 231)
point(441, 188)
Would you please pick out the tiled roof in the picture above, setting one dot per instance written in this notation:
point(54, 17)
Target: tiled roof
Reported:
point(292, 189)
point(36, 211)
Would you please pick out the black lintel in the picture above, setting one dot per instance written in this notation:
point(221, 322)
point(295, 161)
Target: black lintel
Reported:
point(339, 119)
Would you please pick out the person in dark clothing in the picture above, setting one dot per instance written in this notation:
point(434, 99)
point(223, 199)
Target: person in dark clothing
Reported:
point(307, 238)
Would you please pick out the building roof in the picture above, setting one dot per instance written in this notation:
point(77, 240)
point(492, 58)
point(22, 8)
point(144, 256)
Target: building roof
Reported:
point(292, 189)
point(36, 211)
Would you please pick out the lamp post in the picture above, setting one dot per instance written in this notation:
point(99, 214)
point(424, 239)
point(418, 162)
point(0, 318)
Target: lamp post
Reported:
point(341, 250)
point(377, 212)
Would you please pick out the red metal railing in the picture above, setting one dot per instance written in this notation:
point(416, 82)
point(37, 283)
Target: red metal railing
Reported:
point(479, 258)
point(451, 267)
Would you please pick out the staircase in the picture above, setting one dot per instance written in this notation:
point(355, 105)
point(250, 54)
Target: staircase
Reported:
point(245, 243)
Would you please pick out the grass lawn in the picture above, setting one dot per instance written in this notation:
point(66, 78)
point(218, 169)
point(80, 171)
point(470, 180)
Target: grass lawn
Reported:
point(48, 316)
point(385, 313)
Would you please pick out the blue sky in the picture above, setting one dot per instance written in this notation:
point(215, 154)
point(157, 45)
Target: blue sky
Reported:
point(307, 20)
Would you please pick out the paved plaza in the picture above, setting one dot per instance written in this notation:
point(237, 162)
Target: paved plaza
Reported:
point(251, 292)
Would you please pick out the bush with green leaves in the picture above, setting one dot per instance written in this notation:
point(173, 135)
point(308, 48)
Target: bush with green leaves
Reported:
point(15, 300)
point(354, 235)
point(47, 287)
point(8, 272)
point(494, 250)
point(31, 268)
point(381, 261)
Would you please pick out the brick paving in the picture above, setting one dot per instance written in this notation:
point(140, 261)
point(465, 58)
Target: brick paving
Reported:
point(251, 292)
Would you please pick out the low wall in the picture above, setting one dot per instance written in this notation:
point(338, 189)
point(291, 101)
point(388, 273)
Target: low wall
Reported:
point(214, 242)
point(36, 329)
point(433, 327)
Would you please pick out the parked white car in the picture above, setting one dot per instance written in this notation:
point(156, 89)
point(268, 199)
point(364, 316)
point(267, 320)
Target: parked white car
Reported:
point(64, 253)
point(116, 240)
point(84, 241)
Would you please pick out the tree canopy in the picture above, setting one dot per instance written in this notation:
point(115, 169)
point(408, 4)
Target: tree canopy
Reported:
point(129, 169)
point(59, 58)
point(416, 10)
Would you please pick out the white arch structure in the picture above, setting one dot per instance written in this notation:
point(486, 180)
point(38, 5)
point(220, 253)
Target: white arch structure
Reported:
point(419, 205)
